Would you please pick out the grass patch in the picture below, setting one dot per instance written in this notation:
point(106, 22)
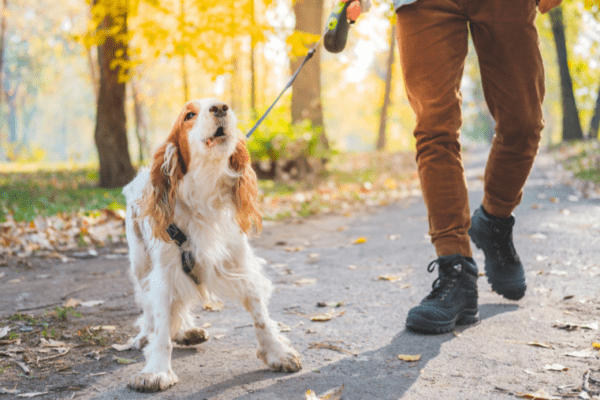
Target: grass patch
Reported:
point(26, 195)
point(581, 157)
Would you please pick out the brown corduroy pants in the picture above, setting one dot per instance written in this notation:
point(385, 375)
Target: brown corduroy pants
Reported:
point(433, 42)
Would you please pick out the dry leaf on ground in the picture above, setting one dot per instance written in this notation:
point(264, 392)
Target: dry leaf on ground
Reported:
point(315, 345)
point(33, 394)
point(539, 395)
point(91, 303)
point(305, 281)
point(329, 315)
point(409, 358)
point(293, 249)
point(538, 344)
point(51, 343)
point(571, 326)
point(360, 240)
point(124, 360)
point(389, 277)
point(72, 303)
point(586, 353)
point(123, 347)
point(555, 367)
point(4, 331)
point(594, 345)
point(333, 394)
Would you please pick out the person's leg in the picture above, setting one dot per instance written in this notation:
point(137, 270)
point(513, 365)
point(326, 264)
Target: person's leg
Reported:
point(433, 42)
point(512, 73)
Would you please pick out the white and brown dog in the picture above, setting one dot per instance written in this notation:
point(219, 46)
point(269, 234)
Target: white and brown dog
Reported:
point(201, 181)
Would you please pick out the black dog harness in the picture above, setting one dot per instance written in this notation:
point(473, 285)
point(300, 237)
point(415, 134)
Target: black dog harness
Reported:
point(187, 258)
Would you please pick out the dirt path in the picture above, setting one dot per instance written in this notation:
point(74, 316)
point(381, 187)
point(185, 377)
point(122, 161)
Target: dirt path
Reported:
point(557, 236)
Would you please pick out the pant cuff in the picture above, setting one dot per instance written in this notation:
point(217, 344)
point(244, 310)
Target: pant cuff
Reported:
point(495, 210)
point(449, 246)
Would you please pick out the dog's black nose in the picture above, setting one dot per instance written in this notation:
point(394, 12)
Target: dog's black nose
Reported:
point(220, 110)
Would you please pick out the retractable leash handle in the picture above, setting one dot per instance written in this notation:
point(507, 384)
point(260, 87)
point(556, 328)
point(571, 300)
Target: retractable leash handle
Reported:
point(336, 33)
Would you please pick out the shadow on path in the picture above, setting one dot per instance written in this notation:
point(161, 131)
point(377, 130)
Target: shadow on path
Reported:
point(376, 374)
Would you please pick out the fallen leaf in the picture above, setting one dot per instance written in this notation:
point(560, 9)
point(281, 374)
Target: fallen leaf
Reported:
point(554, 200)
point(405, 286)
point(353, 267)
point(360, 240)
point(97, 374)
point(4, 331)
point(91, 303)
point(218, 306)
point(315, 345)
point(326, 316)
point(124, 360)
point(104, 328)
point(557, 272)
point(283, 327)
point(555, 367)
point(539, 395)
point(586, 353)
point(123, 347)
point(596, 345)
point(51, 343)
point(409, 358)
point(330, 304)
point(293, 249)
point(333, 394)
point(538, 236)
point(305, 281)
point(540, 258)
point(538, 344)
point(313, 255)
point(207, 325)
point(33, 394)
point(393, 237)
point(571, 326)
point(72, 303)
point(535, 206)
point(389, 277)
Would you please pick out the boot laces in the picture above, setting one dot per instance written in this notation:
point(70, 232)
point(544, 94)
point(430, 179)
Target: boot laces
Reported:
point(448, 275)
point(503, 243)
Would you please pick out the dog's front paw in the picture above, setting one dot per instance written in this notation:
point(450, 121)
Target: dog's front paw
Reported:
point(152, 382)
point(192, 337)
point(281, 358)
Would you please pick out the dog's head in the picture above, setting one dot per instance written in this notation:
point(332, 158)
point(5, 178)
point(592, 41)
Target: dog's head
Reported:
point(204, 139)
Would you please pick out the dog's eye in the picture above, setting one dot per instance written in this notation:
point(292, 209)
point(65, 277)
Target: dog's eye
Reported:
point(189, 116)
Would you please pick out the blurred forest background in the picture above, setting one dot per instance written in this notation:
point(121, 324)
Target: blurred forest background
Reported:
point(88, 89)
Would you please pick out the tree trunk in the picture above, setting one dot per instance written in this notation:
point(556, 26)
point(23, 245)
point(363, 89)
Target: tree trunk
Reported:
point(381, 138)
point(111, 128)
point(595, 121)
point(252, 66)
point(184, 77)
point(2, 36)
point(571, 124)
point(141, 129)
point(306, 93)
point(93, 64)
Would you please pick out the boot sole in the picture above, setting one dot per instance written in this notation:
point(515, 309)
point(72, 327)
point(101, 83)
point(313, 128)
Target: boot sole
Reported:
point(466, 317)
point(512, 290)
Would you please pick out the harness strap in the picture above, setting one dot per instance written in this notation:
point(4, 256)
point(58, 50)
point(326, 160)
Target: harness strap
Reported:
point(187, 258)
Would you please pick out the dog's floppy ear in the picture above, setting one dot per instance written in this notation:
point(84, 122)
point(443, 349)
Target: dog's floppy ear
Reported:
point(245, 190)
point(158, 200)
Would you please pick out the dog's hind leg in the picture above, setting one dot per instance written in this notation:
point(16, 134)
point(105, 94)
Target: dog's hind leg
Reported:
point(189, 334)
